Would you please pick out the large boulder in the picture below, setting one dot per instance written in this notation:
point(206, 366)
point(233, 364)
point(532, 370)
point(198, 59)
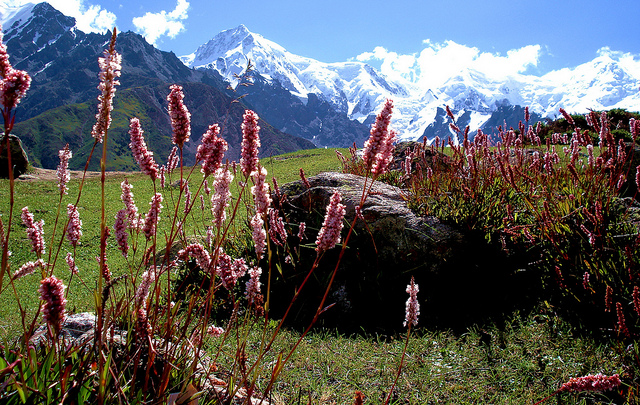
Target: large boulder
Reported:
point(461, 277)
point(19, 159)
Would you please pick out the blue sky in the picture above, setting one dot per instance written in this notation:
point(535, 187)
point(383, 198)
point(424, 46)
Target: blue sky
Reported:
point(533, 37)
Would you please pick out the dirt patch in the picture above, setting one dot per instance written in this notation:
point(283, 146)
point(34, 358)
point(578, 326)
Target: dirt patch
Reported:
point(38, 174)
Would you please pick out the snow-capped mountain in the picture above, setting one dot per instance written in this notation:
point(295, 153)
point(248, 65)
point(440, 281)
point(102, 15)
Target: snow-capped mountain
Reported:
point(357, 89)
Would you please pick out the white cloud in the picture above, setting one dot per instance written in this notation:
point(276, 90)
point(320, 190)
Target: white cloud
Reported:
point(154, 25)
point(438, 62)
point(89, 17)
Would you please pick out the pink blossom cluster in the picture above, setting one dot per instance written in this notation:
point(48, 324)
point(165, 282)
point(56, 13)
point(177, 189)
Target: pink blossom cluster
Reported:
point(304, 179)
point(277, 233)
point(634, 128)
point(110, 66)
point(211, 150)
point(142, 292)
point(567, 116)
point(636, 299)
point(180, 116)
point(378, 149)
point(259, 235)
point(120, 229)
point(28, 268)
point(173, 159)
point(13, 83)
point(412, 309)
point(153, 216)
point(71, 263)
point(253, 287)
point(260, 190)
point(622, 324)
point(53, 309)
point(142, 155)
point(35, 231)
point(250, 143)
point(133, 220)
point(301, 230)
point(585, 280)
point(74, 228)
point(187, 196)
point(199, 253)
point(63, 168)
point(215, 331)
point(230, 270)
point(220, 199)
point(329, 234)
point(608, 299)
point(598, 382)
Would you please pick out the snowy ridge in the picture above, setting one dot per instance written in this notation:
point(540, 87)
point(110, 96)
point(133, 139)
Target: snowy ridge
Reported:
point(358, 90)
point(9, 16)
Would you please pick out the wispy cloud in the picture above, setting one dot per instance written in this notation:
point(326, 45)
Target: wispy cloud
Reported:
point(436, 62)
point(154, 25)
point(89, 17)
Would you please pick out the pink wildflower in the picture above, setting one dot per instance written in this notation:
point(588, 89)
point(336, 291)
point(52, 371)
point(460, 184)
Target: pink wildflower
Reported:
point(301, 229)
point(153, 216)
point(211, 150)
point(142, 292)
point(162, 174)
point(35, 231)
point(230, 270)
point(608, 299)
point(634, 128)
point(141, 154)
point(110, 66)
point(71, 262)
point(63, 168)
point(74, 229)
point(260, 190)
point(205, 187)
point(199, 253)
point(173, 160)
point(412, 309)
point(130, 205)
point(180, 116)
point(379, 145)
point(449, 113)
point(53, 310)
point(622, 325)
point(585, 280)
point(215, 331)
point(567, 116)
point(527, 115)
point(276, 228)
point(638, 177)
point(304, 179)
point(329, 234)
point(14, 83)
point(187, 197)
point(120, 228)
point(220, 199)
point(636, 299)
point(143, 327)
point(258, 235)
point(253, 288)
point(590, 382)
point(250, 143)
point(28, 268)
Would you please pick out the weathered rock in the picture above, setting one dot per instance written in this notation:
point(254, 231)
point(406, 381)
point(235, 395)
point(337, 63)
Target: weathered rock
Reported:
point(455, 269)
point(19, 159)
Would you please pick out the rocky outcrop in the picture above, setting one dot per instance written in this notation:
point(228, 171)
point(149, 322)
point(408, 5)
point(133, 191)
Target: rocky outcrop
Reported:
point(457, 271)
point(19, 159)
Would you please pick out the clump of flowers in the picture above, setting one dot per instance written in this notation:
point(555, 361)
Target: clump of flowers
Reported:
point(74, 229)
point(412, 307)
point(211, 150)
point(63, 168)
point(153, 216)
